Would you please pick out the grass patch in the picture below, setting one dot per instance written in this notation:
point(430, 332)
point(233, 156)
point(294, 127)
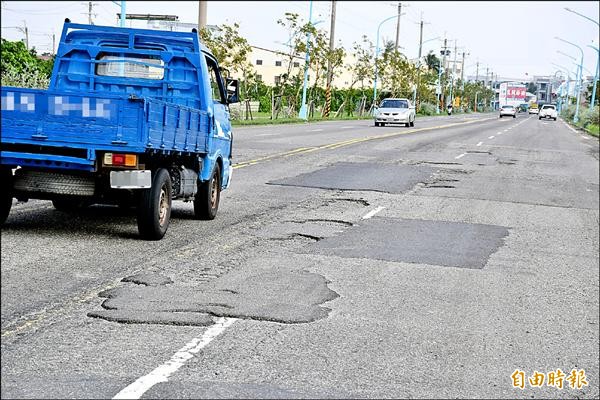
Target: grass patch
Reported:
point(592, 129)
point(264, 119)
point(278, 121)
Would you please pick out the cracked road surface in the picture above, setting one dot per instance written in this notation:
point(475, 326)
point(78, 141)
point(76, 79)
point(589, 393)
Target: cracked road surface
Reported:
point(347, 261)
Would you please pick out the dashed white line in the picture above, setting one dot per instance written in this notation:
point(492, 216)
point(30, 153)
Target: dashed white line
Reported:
point(346, 127)
point(479, 144)
point(491, 137)
point(161, 374)
point(316, 130)
point(371, 213)
point(460, 156)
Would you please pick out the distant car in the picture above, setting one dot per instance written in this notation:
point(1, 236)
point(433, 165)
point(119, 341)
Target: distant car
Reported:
point(548, 111)
point(508, 110)
point(395, 111)
point(534, 110)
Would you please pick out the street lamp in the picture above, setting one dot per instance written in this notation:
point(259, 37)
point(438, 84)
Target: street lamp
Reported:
point(302, 113)
point(595, 48)
point(377, 54)
point(581, 15)
point(565, 54)
point(564, 69)
point(595, 77)
point(560, 99)
point(576, 117)
point(123, 15)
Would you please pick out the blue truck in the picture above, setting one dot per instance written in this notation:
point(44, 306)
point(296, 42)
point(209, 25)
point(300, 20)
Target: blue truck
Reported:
point(132, 117)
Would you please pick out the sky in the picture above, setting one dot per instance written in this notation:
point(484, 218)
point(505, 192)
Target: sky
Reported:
point(511, 39)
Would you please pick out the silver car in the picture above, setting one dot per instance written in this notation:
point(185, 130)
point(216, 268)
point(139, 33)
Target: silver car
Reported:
point(508, 110)
point(395, 111)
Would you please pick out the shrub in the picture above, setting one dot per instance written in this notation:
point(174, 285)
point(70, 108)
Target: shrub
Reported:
point(568, 112)
point(27, 78)
point(427, 109)
point(587, 116)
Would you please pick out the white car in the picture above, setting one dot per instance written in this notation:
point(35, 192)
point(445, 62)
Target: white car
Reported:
point(548, 111)
point(508, 110)
point(395, 111)
point(534, 110)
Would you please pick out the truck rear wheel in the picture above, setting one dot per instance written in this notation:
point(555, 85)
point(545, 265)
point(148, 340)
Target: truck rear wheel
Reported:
point(154, 207)
point(206, 202)
point(6, 196)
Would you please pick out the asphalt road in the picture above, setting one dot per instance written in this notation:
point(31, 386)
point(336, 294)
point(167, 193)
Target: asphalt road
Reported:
point(347, 261)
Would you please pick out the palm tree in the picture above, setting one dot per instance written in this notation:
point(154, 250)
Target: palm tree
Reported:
point(433, 63)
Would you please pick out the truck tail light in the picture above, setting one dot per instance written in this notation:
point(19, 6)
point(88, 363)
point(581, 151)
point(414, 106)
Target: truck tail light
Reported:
point(117, 159)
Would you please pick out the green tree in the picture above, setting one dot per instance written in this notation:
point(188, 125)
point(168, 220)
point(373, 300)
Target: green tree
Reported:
point(21, 67)
point(398, 74)
point(232, 53)
point(433, 62)
point(290, 85)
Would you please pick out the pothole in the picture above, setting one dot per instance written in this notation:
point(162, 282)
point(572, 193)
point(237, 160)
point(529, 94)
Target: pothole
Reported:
point(437, 163)
point(478, 152)
point(334, 221)
point(376, 177)
point(359, 201)
point(443, 243)
point(276, 294)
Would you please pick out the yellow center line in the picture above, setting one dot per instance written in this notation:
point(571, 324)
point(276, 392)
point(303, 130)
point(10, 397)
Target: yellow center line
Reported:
point(336, 145)
point(36, 318)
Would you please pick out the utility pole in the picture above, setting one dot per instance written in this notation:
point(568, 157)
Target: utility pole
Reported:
point(398, 25)
point(462, 68)
point(329, 68)
point(477, 73)
point(453, 73)
point(419, 62)
point(444, 50)
point(486, 76)
point(201, 14)
point(90, 12)
point(26, 32)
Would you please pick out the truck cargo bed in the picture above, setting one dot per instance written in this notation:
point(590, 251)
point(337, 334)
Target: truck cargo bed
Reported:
point(64, 129)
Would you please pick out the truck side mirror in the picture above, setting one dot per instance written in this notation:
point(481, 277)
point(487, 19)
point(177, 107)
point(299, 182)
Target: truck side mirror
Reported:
point(232, 87)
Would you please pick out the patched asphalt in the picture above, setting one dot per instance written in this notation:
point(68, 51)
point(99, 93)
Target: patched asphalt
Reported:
point(278, 295)
point(379, 177)
point(443, 243)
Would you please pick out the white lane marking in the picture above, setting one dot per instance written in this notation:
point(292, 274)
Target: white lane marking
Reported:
point(479, 144)
point(491, 137)
point(162, 373)
point(585, 137)
point(506, 130)
point(460, 156)
point(316, 130)
point(499, 133)
point(267, 134)
point(373, 212)
point(346, 127)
